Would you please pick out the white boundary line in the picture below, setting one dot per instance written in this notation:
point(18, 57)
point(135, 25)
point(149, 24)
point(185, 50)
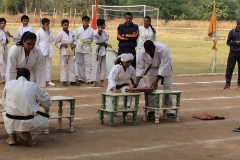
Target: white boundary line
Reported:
point(142, 102)
point(182, 109)
point(92, 88)
point(162, 122)
point(161, 146)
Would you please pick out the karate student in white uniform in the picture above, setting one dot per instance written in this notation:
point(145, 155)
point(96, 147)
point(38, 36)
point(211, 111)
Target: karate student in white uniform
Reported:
point(120, 76)
point(84, 37)
point(99, 68)
point(44, 38)
point(146, 32)
point(24, 54)
point(24, 28)
point(65, 42)
point(155, 58)
point(20, 101)
point(4, 40)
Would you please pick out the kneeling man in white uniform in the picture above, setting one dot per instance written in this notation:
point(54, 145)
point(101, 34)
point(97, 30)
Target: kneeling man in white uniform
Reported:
point(21, 116)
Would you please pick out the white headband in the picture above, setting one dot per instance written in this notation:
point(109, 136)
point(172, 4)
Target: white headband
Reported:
point(126, 57)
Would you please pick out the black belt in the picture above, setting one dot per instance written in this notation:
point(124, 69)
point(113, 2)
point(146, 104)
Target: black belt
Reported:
point(148, 68)
point(43, 114)
point(19, 117)
point(162, 80)
point(26, 117)
point(99, 46)
point(122, 85)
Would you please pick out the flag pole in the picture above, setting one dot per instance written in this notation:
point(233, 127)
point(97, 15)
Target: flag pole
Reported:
point(213, 36)
point(214, 67)
point(95, 16)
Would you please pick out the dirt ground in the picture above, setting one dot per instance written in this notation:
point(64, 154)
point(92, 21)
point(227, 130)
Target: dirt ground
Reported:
point(189, 139)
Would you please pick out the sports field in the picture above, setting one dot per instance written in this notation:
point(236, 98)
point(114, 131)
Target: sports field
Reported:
point(189, 139)
point(190, 53)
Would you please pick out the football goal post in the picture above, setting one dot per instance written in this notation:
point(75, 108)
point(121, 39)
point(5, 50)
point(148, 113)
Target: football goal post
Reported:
point(139, 11)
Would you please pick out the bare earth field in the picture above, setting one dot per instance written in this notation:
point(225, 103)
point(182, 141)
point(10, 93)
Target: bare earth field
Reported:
point(189, 139)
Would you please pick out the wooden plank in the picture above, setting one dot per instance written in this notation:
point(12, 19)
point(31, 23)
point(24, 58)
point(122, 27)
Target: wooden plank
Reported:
point(55, 115)
point(121, 94)
point(119, 110)
point(62, 98)
point(136, 90)
point(161, 108)
point(165, 92)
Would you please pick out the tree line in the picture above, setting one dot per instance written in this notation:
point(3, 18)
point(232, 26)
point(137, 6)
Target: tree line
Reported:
point(168, 9)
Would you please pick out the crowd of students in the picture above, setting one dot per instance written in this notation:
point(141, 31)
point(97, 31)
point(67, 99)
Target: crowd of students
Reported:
point(34, 52)
point(75, 50)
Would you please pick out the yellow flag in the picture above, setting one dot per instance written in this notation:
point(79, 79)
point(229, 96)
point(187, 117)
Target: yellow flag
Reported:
point(213, 22)
point(212, 26)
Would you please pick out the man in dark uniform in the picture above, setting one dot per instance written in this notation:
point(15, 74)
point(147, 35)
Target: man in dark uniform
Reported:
point(127, 36)
point(234, 55)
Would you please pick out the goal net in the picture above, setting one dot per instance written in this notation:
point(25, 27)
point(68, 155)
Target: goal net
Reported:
point(113, 13)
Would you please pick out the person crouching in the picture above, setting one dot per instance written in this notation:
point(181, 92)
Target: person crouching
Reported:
point(20, 101)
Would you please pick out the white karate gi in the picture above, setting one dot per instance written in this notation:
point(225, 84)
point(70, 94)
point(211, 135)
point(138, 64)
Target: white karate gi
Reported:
point(35, 63)
point(66, 56)
point(22, 30)
point(83, 51)
point(118, 76)
point(4, 40)
point(161, 65)
point(99, 68)
point(19, 99)
point(145, 34)
point(44, 42)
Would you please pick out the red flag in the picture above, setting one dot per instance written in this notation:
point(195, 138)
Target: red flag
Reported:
point(95, 16)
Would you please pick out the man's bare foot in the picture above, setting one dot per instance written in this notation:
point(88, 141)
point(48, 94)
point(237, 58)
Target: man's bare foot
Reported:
point(89, 82)
point(94, 84)
point(102, 84)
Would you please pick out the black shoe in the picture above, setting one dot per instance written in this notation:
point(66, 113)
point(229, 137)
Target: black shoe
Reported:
point(236, 129)
point(80, 81)
point(64, 84)
point(171, 115)
point(151, 115)
point(227, 86)
point(75, 83)
point(90, 82)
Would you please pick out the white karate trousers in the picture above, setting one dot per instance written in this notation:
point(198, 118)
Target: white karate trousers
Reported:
point(84, 66)
point(167, 85)
point(48, 68)
point(67, 69)
point(35, 126)
point(99, 68)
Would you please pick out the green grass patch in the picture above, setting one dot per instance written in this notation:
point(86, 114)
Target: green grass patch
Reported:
point(190, 53)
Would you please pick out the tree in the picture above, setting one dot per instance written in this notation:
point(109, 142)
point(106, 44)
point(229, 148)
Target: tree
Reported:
point(168, 9)
point(14, 6)
point(112, 2)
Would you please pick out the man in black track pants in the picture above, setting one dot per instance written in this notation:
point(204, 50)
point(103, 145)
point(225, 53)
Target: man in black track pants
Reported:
point(234, 55)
